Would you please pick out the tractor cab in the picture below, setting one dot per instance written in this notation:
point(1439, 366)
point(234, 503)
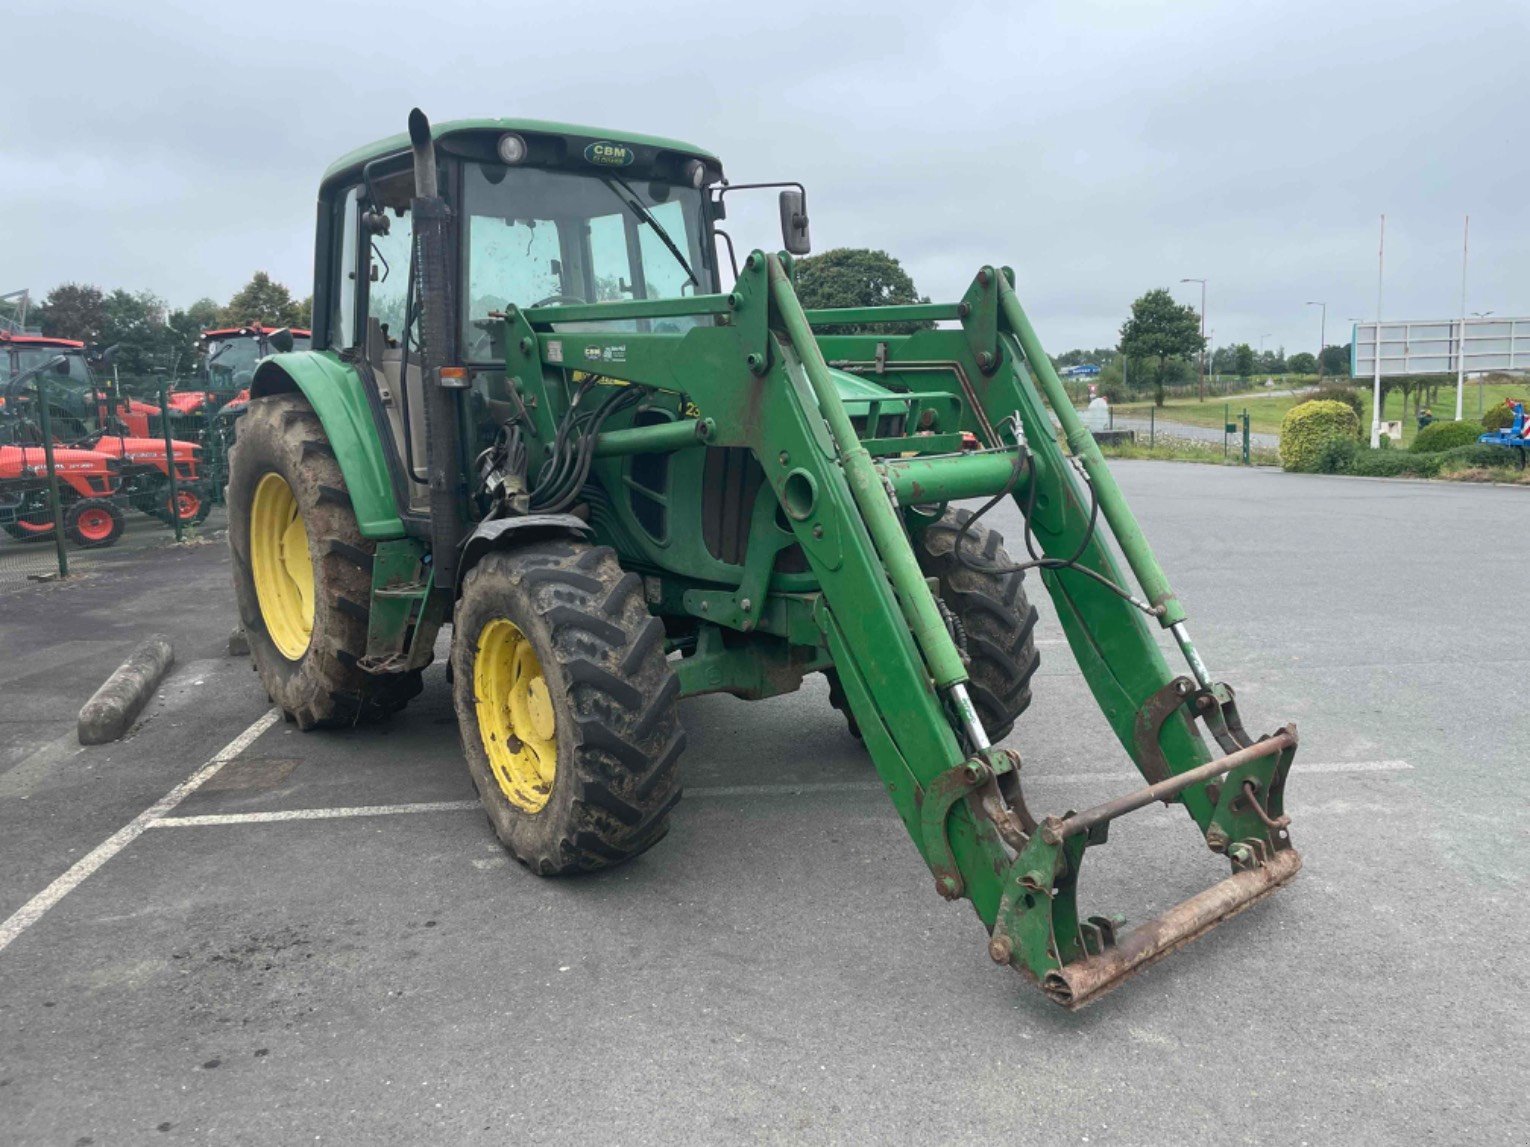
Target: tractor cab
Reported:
point(62, 362)
point(226, 360)
point(542, 214)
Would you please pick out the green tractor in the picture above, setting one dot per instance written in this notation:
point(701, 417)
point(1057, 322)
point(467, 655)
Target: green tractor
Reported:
point(534, 411)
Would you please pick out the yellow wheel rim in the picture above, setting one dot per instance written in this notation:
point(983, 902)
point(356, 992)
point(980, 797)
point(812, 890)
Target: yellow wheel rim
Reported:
point(515, 715)
point(281, 566)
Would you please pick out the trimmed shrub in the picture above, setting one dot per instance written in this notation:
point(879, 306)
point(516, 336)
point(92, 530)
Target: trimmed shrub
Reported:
point(1337, 455)
point(1308, 426)
point(1483, 454)
point(1395, 464)
point(1439, 436)
point(1347, 395)
point(1367, 463)
point(1500, 417)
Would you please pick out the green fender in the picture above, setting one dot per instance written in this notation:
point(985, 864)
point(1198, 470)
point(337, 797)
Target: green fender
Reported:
point(335, 391)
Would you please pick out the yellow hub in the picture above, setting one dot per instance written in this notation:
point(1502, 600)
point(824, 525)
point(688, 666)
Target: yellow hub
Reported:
point(515, 715)
point(281, 567)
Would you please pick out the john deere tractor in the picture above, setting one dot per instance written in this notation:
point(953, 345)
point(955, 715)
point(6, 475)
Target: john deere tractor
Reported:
point(537, 410)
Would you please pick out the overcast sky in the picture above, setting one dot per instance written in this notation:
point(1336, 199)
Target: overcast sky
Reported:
point(1101, 149)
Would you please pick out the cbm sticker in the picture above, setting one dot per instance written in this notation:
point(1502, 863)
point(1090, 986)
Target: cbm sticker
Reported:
point(610, 155)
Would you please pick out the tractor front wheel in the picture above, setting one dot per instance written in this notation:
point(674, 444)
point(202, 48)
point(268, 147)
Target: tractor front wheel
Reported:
point(94, 523)
point(303, 571)
point(996, 620)
point(992, 609)
point(566, 706)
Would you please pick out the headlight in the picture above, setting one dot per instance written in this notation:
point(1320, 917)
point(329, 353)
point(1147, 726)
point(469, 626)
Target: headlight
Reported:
point(696, 172)
point(512, 148)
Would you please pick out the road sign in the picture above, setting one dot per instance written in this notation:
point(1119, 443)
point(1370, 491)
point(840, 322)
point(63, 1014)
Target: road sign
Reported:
point(1441, 346)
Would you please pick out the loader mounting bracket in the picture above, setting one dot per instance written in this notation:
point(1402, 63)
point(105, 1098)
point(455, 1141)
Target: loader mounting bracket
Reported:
point(936, 802)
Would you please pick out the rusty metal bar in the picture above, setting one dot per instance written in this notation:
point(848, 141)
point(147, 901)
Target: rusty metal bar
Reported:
point(1078, 983)
point(1055, 831)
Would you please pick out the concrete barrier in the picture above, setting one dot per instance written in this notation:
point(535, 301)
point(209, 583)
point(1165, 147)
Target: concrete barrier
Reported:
point(111, 711)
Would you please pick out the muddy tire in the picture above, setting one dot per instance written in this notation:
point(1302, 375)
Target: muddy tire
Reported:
point(320, 683)
point(582, 771)
point(1000, 622)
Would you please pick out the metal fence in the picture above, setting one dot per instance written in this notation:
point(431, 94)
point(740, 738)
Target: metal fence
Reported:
point(90, 473)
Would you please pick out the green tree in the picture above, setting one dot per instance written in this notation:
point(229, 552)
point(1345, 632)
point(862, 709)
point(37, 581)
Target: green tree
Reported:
point(187, 325)
point(1161, 329)
point(263, 300)
point(72, 311)
point(857, 277)
point(1302, 363)
point(1243, 361)
point(1335, 360)
point(135, 325)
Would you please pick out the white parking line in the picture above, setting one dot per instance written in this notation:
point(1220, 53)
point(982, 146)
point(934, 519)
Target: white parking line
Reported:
point(32, 911)
point(702, 792)
point(313, 813)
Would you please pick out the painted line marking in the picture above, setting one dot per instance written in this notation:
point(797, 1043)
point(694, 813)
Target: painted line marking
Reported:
point(313, 814)
point(702, 792)
point(34, 909)
point(786, 790)
point(1351, 767)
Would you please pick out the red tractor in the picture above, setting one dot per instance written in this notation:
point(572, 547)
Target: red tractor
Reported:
point(87, 479)
point(115, 428)
point(226, 360)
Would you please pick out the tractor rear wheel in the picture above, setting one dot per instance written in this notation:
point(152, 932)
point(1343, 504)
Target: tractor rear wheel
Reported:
point(193, 498)
point(998, 621)
point(303, 572)
point(566, 705)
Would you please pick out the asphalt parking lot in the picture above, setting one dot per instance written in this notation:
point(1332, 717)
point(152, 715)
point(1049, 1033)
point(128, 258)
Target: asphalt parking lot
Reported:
point(324, 942)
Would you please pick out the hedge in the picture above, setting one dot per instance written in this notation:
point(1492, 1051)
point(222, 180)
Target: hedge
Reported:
point(1306, 428)
point(1439, 436)
point(1340, 456)
point(1499, 417)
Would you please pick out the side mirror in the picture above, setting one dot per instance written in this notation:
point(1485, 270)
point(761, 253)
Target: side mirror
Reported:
point(280, 340)
point(794, 222)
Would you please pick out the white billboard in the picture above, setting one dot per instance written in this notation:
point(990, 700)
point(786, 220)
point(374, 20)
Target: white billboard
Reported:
point(1441, 346)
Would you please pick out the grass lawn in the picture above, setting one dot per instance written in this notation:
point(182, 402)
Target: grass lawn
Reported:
point(1265, 414)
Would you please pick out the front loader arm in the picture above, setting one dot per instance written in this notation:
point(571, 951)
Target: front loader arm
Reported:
point(760, 378)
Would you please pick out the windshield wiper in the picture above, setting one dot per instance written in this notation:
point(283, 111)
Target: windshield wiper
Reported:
point(635, 205)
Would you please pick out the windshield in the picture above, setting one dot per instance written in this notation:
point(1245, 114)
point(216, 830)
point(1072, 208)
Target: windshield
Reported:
point(22, 359)
point(537, 236)
point(230, 363)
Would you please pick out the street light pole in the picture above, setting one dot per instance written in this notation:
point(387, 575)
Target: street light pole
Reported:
point(1322, 337)
point(1201, 382)
point(1481, 410)
point(1466, 231)
point(1381, 263)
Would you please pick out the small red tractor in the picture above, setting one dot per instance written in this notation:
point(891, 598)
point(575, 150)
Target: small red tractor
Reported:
point(88, 480)
point(88, 419)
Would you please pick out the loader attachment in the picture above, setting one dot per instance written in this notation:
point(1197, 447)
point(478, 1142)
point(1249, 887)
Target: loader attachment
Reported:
point(973, 826)
point(849, 500)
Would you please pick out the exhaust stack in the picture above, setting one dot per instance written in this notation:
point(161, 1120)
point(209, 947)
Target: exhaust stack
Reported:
point(438, 350)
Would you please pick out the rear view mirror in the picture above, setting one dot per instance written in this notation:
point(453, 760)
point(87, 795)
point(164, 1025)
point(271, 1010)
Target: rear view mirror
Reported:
point(280, 340)
point(794, 222)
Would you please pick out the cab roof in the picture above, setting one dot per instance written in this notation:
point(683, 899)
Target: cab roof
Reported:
point(395, 144)
point(40, 340)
